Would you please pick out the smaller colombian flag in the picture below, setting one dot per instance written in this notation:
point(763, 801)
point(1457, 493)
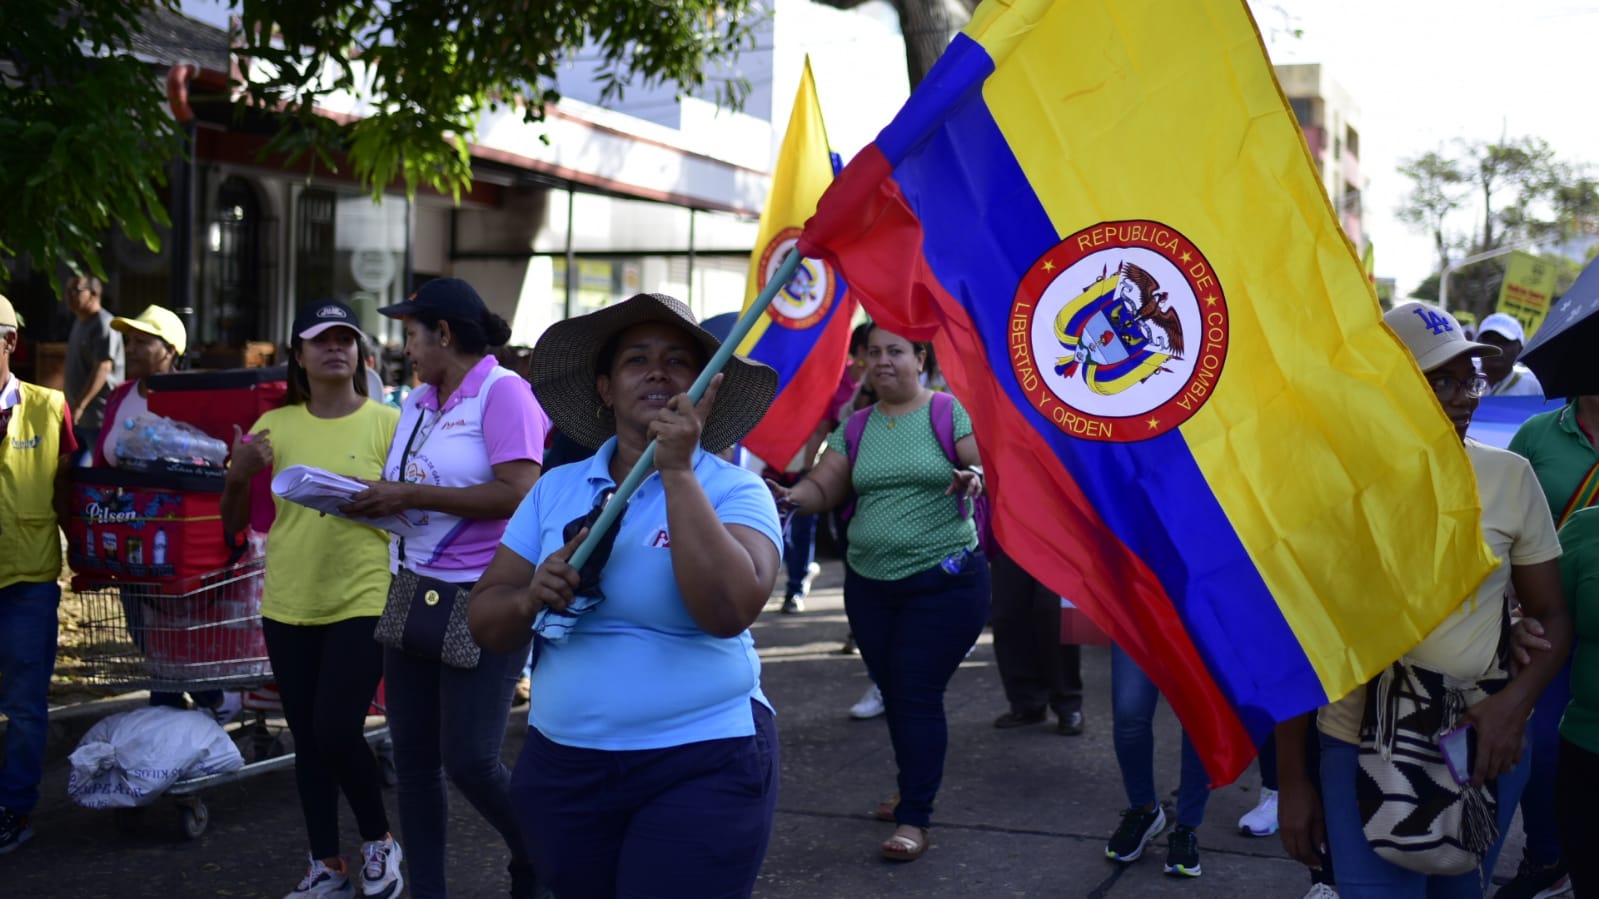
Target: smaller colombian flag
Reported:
point(805, 332)
point(1194, 422)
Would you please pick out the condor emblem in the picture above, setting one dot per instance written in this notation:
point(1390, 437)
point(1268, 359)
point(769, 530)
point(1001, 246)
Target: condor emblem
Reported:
point(808, 295)
point(1119, 332)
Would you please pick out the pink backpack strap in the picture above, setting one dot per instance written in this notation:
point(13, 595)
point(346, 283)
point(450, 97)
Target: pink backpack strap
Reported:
point(853, 431)
point(942, 413)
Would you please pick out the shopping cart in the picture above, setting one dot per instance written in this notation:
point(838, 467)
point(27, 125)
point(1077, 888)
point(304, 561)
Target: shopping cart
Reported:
point(202, 633)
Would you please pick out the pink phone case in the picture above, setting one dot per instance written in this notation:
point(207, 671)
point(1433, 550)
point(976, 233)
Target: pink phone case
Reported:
point(1457, 744)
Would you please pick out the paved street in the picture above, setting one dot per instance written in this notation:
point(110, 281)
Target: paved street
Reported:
point(1022, 813)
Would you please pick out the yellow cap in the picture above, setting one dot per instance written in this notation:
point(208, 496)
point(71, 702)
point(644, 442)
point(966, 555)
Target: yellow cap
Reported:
point(157, 321)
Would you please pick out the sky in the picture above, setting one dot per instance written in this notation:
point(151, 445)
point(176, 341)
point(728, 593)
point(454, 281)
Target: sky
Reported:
point(1425, 73)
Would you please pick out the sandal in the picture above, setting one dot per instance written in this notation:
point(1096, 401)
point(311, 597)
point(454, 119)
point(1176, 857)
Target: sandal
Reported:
point(906, 845)
point(885, 809)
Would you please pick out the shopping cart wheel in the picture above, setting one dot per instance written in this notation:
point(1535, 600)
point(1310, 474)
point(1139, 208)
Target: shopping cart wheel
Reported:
point(193, 817)
point(128, 821)
point(386, 767)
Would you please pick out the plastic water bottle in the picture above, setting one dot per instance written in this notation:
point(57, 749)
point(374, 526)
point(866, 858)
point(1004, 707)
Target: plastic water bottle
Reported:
point(154, 438)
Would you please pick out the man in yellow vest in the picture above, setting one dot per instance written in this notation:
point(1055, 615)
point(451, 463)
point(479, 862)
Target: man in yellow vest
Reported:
point(34, 461)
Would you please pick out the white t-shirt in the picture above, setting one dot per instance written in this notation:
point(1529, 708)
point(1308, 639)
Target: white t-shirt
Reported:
point(133, 405)
point(1520, 382)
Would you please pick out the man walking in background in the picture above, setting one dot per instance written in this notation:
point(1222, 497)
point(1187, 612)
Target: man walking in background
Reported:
point(94, 361)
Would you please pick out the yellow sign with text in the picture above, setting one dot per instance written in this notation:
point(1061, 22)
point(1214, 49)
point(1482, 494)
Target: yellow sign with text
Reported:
point(1528, 286)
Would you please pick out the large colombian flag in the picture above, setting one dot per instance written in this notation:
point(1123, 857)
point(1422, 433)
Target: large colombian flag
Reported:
point(805, 332)
point(1195, 424)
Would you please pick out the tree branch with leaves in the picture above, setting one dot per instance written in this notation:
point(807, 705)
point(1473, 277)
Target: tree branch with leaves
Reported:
point(86, 136)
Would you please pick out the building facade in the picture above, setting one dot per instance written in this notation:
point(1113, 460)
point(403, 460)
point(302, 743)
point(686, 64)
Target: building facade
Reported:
point(1330, 121)
point(592, 205)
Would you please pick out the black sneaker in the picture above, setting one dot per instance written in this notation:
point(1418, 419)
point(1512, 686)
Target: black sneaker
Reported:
point(1182, 852)
point(14, 830)
point(1020, 719)
point(1138, 827)
point(794, 602)
point(1536, 881)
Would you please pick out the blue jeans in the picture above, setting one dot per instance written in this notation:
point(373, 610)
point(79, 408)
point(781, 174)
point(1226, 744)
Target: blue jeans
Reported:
point(1360, 871)
point(690, 821)
point(1132, 707)
point(449, 720)
point(913, 634)
point(87, 438)
point(1538, 800)
point(799, 552)
point(28, 630)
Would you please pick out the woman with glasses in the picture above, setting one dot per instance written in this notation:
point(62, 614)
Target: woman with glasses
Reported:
point(1470, 647)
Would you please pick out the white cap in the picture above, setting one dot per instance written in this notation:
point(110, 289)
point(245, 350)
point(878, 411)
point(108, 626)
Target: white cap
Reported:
point(1432, 335)
point(1505, 326)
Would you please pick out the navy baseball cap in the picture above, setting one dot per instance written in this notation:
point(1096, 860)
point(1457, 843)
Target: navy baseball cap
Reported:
point(447, 297)
point(319, 315)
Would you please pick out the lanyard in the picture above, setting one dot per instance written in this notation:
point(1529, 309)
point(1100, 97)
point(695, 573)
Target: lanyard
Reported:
point(405, 455)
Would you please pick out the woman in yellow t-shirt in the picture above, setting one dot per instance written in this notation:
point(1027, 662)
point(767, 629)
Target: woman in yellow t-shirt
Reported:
point(326, 581)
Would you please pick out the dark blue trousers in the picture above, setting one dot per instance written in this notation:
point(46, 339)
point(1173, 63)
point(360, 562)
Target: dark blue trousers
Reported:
point(690, 821)
point(913, 634)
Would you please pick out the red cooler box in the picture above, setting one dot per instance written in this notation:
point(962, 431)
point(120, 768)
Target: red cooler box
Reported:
point(146, 526)
point(209, 630)
point(215, 401)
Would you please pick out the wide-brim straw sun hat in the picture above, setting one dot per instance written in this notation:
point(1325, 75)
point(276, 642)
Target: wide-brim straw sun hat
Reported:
point(563, 373)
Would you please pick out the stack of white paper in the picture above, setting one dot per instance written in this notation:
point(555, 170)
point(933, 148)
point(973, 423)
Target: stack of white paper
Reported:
point(327, 492)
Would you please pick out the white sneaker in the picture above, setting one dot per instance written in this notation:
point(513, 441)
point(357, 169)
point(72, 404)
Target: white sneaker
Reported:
point(1261, 821)
point(380, 868)
point(1321, 891)
point(870, 706)
point(810, 575)
point(322, 881)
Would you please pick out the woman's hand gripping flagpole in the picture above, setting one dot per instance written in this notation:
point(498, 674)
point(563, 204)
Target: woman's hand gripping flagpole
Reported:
point(646, 462)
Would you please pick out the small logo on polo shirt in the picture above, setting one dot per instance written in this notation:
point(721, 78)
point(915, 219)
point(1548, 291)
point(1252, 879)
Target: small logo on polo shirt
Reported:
point(31, 443)
point(660, 540)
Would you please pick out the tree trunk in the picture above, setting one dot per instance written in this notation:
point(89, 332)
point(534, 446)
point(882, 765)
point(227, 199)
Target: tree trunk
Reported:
point(927, 26)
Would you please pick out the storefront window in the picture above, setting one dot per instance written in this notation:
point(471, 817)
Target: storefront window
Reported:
point(231, 312)
point(351, 249)
point(700, 257)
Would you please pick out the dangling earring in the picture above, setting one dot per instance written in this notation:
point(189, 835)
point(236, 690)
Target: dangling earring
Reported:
point(599, 412)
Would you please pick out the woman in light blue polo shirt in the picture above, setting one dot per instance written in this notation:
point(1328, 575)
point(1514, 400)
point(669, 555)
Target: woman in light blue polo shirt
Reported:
point(651, 762)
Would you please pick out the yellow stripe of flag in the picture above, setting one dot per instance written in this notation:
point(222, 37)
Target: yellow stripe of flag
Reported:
point(1309, 364)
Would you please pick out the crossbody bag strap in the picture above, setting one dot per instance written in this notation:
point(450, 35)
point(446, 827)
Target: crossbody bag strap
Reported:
point(1583, 497)
point(405, 456)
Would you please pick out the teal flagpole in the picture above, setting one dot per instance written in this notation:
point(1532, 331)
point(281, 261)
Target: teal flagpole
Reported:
point(646, 462)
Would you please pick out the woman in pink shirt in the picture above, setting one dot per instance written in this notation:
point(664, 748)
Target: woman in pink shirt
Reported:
point(468, 447)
